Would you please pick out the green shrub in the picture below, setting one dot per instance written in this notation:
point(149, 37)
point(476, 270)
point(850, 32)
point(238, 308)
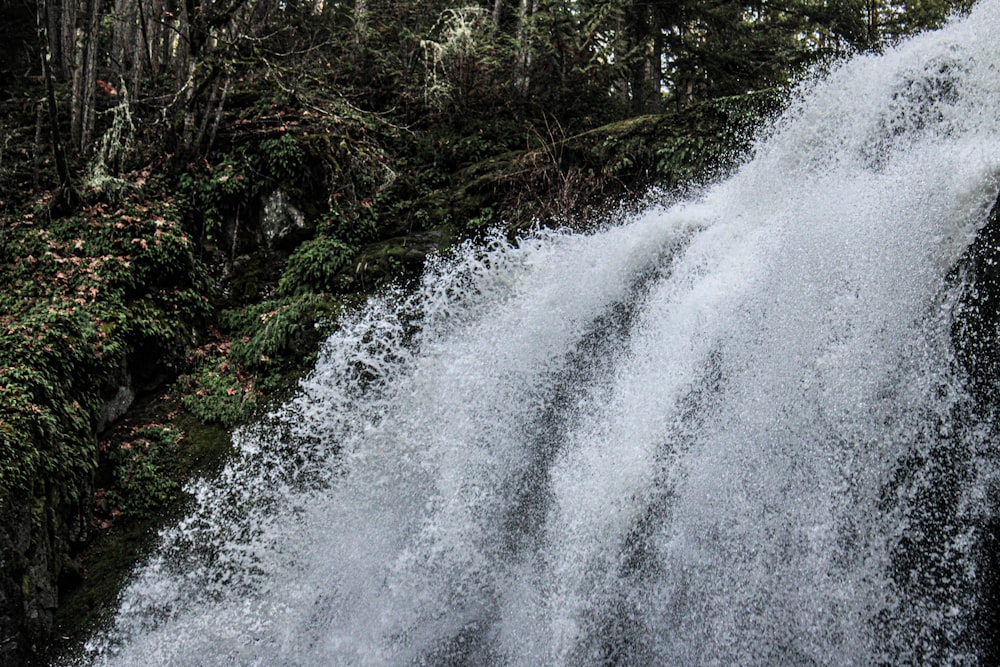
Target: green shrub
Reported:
point(83, 292)
point(217, 393)
point(222, 188)
point(314, 265)
point(142, 467)
point(281, 159)
point(277, 332)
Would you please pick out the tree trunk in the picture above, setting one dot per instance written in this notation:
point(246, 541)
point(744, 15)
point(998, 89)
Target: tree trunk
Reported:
point(188, 125)
point(92, 42)
point(36, 162)
point(526, 11)
point(643, 46)
point(360, 20)
point(143, 47)
point(76, 96)
point(128, 43)
point(656, 58)
point(872, 24)
point(168, 53)
point(66, 195)
point(213, 114)
point(62, 37)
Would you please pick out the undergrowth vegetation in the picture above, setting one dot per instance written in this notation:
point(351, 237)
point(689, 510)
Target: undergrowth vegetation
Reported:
point(144, 470)
point(82, 294)
point(128, 278)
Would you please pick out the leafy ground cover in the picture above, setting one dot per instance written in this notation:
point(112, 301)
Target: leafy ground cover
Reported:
point(83, 293)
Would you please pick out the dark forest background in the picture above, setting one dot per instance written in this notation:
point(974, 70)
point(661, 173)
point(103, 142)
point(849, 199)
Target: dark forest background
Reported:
point(191, 191)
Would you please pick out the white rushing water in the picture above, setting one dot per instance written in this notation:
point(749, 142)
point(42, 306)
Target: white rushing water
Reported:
point(730, 431)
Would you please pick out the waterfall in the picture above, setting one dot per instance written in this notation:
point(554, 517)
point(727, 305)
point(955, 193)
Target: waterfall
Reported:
point(731, 430)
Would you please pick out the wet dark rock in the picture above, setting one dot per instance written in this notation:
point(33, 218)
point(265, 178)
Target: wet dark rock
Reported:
point(40, 542)
point(381, 262)
point(282, 222)
point(975, 331)
point(250, 254)
point(15, 536)
point(115, 406)
point(976, 338)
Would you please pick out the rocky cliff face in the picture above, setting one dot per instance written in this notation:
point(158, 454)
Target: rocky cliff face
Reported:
point(975, 330)
point(976, 336)
point(40, 539)
point(15, 538)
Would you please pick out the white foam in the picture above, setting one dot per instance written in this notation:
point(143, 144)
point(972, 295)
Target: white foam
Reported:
point(698, 437)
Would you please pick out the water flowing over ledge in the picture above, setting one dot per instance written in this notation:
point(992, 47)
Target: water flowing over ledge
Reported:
point(728, 431)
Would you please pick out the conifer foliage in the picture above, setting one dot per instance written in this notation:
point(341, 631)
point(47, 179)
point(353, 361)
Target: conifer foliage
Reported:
point(180, 64)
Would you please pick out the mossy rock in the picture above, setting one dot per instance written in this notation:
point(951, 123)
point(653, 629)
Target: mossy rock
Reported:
point(382, 262)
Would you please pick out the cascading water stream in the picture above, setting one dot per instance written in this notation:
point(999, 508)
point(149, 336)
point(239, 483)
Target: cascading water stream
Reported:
point(729, 431)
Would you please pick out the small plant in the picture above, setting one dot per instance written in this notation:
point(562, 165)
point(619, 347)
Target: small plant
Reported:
point(282, 159)
point(276, 331)
point(314, 265)
point(142, 469)
point(218, 392)
point(223, 188)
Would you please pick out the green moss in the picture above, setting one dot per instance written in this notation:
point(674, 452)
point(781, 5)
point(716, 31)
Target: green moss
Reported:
point(382, 262)
point(129, 531)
